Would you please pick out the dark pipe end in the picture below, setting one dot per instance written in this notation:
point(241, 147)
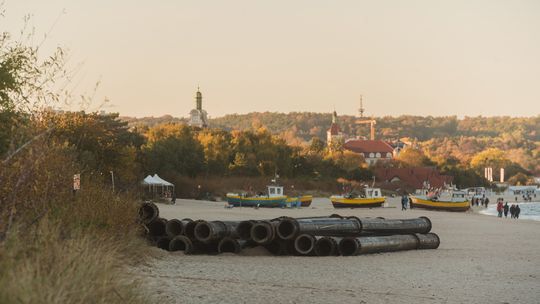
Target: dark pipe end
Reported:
point(148, 212)
point(348, 246)
point(429, 226)
point(229, 245)
point(174, 227)
point(244, 229)
point(428, 241)
point(203, 231)
point(181, 243)
point(262, 233)
point(287, 228)
point(163, 242)
point(325, 247)
point(304, 244)
point(157, 227)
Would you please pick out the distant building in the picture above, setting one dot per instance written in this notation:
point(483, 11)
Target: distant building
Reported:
point(198, 116)
point(416, 178)
point(372, 150)
point(334, 134)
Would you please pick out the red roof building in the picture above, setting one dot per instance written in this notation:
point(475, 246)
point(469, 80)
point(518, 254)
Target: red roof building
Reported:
point(372, 150)
point(416, 178)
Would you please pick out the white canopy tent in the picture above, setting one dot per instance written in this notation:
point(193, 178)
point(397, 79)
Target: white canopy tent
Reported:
point(158, 186)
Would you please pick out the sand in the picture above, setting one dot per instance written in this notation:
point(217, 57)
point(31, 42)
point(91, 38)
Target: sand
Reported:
point(482, 259)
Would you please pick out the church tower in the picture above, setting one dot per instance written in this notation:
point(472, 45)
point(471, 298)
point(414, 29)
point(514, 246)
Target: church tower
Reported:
point(334, 133)
point(198, 116)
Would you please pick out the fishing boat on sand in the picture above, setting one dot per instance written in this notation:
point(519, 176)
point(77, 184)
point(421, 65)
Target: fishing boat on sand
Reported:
point(448, 200)
point(274, 197)
point(305, 200)
point(369, 198)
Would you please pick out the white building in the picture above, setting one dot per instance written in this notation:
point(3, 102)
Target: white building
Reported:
point(198, 116)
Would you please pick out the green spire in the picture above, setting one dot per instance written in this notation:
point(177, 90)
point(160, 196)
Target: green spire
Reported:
point(198, 99)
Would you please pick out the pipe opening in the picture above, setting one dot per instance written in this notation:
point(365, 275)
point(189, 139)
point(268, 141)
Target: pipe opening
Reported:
point(324, 247)
point(228, 246)
point(260, 233)
point(147, 212)
point(348, 247)
point(156, 228)
point(286, 229)
point(244, 230)
point(304, 244)
point(202, 231)
point(178, 244)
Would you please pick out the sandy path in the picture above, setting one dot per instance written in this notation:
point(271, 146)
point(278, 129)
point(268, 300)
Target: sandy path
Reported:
point(481, 259)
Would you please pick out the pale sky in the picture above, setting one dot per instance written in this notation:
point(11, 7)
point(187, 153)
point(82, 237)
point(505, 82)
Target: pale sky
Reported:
point(423, 57)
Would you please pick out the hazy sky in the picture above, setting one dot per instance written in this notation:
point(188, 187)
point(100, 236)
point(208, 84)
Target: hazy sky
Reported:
point(406, 57)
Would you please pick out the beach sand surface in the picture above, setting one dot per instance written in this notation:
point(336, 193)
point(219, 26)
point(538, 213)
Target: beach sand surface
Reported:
point(481, 259)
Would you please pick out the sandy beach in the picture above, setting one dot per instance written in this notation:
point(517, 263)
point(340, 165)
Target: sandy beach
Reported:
point(481, 259)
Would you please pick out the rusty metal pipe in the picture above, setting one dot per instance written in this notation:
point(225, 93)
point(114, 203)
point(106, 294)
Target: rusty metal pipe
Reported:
point(231, 245)
point(175, 227)
point(214, 231)
point(148, 212)
point(327, 246)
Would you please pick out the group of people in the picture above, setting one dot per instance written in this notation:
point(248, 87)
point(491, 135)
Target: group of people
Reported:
point(504, 209)
point(480, 201)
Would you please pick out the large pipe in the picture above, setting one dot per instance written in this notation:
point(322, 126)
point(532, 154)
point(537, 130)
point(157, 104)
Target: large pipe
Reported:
point(148, 212)
point(189, 229)
point(175, 227)
point(228, 244)
point(185, 244)
point(264, 232)
point(290, 228)
point(327, 246)
point(304, 244)
point(382, 226)
point(372, 244)
point(213, 231)
point(156, 228)
point(163, 242)
point(244, 229)
point(428, 241)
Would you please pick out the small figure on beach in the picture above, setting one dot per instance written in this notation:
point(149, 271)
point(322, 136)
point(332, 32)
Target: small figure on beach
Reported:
point(506, 209)
point(404, 201)
point(499, 209)
point(512, 211)
point(516, 212)
point(173, 198)
point(486, 202)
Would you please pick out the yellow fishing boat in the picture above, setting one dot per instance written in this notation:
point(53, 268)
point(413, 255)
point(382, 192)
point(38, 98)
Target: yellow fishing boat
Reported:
point(448, 201)
point(305, 201)
point(372, 197)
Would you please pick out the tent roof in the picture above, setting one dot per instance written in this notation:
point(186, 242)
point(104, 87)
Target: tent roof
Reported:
point(149, 180)
point(161, 181)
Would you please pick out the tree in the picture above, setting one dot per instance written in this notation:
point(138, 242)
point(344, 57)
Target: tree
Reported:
point(413, 157)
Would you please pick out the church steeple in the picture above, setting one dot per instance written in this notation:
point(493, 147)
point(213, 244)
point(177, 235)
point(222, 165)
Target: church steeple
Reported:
point(334, 117)
point(198, 99)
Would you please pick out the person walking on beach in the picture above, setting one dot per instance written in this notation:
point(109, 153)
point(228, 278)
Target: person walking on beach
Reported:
point(500, 208)
point(404, 201)
point(505, 209)
point(516, 212)
point(486, 202)
point(512, 210)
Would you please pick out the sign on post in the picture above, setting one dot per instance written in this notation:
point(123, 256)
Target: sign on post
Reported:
point(76, 182)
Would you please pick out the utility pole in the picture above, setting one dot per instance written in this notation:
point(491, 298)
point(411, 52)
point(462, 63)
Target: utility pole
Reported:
point(112, 178)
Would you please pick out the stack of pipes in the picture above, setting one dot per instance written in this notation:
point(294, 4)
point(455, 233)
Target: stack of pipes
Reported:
point(311, 236)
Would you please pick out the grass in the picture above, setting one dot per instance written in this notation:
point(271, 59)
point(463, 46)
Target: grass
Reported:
point(61, 248)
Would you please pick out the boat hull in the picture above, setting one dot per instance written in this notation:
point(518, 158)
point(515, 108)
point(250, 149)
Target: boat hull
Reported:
point(357, 202)
point(305, 200)
point(417, 202)
point(253, 201)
